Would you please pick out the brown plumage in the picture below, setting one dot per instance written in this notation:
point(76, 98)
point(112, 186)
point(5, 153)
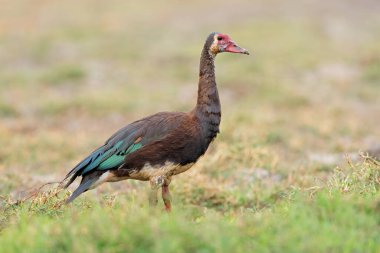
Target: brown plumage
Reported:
point(164, 144)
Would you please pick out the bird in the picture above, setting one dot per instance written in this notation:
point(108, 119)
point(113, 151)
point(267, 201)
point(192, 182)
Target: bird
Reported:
point(162, 145)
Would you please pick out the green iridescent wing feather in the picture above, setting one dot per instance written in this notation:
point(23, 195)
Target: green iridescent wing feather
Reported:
point(112, 154)
point(117, 158)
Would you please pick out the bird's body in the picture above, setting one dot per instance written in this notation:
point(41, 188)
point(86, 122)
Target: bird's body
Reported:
point(162, 145)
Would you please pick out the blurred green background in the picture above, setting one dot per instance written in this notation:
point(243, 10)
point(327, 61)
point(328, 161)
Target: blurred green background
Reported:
point(276, 179)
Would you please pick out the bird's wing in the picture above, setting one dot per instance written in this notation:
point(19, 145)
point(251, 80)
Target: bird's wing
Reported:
point(125, 141)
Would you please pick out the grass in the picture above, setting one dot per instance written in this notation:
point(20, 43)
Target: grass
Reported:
point(64, 74)
point(7, 110)
point(275, 180)
point(317, 219)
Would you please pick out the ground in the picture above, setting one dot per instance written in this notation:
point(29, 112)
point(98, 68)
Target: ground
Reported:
point(289, 171)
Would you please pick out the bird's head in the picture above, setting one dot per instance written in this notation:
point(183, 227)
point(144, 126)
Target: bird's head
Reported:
point(220, 43)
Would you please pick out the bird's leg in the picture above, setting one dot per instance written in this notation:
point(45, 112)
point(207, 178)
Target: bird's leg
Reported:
point(155, 184)
point(166, 197)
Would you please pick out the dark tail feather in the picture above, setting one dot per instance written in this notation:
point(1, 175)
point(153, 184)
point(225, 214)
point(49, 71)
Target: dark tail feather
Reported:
point(73, 177)
point(84, 186)
point(78, 169)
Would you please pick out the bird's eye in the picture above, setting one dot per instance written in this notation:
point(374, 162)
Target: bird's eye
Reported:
point(220, 38)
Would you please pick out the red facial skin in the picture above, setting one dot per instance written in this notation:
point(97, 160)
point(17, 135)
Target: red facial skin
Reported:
point(225, 44)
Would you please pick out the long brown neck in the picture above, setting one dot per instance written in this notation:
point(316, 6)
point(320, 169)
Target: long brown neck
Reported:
point(208, 105)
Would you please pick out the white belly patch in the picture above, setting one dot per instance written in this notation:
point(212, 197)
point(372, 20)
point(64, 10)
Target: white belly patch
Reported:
point(168, 169)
